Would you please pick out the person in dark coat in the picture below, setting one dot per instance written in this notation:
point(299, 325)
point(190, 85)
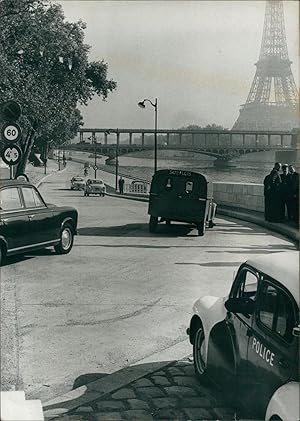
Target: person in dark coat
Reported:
point(121, 185)
point(294, 194)
point(285, 190)
point(272, 193)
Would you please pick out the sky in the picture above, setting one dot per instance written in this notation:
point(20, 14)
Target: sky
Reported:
point(196, 57)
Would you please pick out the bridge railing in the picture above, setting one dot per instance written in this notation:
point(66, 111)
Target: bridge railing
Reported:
point(137, 187)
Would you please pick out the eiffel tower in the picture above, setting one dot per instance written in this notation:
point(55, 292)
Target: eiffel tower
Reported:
point(272, 103)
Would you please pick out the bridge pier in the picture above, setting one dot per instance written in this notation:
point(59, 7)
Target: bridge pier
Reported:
point(221, 163)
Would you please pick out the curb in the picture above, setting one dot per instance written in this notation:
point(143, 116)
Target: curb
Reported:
point(289, 232)
point(87, 393)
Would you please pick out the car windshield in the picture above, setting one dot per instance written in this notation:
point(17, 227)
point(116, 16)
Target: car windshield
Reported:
point(96, 181)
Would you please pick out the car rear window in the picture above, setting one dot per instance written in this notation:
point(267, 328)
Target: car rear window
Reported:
point(31, 198)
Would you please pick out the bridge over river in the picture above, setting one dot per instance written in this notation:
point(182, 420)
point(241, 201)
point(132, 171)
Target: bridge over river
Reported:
point(224, 145)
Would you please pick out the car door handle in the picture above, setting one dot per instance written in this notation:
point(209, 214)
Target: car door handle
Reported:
point(283, 363)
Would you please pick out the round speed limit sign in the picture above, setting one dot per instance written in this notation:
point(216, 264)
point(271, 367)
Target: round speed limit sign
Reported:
point(11, 155)
point(11, 132)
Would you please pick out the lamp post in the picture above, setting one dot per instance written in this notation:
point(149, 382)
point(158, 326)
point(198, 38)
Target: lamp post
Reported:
point(93, 139)
point(95, 153)
point(142, 105)
point(117, 155)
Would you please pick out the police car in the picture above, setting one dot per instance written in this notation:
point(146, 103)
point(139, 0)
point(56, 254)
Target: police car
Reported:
point(248, 342)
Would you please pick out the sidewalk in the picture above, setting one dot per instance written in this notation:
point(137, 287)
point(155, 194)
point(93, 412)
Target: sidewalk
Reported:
point(149, 391)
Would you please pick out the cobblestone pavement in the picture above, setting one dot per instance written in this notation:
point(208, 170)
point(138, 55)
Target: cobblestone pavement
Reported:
point(172, 393)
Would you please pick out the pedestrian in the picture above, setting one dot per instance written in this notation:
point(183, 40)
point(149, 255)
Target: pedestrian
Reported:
point(273, 202)
point(285, 191)
point(294, 194)
point(121, 185)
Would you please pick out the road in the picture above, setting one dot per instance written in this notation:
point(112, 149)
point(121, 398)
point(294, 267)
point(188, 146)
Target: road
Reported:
point(121, 295)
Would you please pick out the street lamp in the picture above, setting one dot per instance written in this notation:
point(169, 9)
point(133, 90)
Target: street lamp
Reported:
point(141, 104)
point(117, 155)
point(94, 141)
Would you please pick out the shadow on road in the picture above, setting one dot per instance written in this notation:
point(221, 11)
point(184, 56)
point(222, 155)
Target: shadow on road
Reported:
point(212, 264)
point(22, 257)
point(137, 230)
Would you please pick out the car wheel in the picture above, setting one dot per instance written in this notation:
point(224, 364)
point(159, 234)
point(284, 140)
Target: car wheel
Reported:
point(2, 254)
point(153, 223)
point(66, 240)
point(201, 229)
point(198, 349)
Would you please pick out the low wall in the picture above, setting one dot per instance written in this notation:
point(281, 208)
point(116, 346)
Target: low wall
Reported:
point(240, 195)
point(237, 195)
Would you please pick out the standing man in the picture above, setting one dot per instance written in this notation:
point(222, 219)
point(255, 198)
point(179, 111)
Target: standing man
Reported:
point(285, 189)
point(121, 185)
point(273, 202)
point(294, 194)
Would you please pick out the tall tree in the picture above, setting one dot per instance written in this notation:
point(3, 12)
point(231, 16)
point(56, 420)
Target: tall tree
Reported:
point(44, 66)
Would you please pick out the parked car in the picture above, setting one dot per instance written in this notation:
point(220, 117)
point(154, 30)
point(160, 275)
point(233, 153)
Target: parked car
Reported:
point(28, 223)
point(77, 183)
point(94, 186)
point(248, 342)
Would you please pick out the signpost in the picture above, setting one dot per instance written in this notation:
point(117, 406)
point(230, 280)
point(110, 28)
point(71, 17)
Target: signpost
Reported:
point(11, 155)
point(95, 169)
point(11, 132)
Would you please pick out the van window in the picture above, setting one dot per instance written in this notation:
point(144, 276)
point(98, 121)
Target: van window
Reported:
point(189, 187)
point(169, 184)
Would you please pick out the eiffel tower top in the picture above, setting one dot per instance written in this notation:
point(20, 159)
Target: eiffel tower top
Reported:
point(274, 40)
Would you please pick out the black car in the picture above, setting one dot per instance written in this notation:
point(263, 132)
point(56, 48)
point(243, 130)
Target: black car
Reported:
point(28, 223)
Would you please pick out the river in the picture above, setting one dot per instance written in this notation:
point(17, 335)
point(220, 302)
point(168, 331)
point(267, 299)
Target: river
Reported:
point(248, 169)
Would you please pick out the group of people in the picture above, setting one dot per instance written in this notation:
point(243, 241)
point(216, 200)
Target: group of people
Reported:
point(281, 191)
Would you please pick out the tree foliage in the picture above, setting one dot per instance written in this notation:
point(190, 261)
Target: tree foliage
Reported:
point(207, 127)
point(44, 66)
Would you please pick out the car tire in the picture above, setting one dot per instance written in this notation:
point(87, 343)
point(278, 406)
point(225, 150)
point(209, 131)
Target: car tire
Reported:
point(199, 364)
point(201, 229)
point(153, 223)
point(66, 240)
point(2, 254)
